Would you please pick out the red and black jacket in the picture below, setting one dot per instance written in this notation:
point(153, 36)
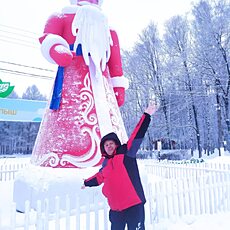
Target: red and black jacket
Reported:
point(120, 175)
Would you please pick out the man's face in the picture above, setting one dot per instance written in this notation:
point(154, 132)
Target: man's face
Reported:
point(110, 147)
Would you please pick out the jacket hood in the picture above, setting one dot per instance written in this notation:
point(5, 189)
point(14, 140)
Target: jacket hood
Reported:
point(110, 136)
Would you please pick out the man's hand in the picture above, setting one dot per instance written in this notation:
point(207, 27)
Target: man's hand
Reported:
point(152, 108)
point(83, 186)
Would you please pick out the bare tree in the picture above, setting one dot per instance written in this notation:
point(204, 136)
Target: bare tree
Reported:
point(211, 38)
point(177, 46)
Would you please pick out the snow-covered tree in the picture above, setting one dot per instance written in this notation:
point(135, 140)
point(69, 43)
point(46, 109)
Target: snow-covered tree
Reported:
point(188, 69)
point(33, 93)
point(178, 49)
point(13, 95)
point(211, 28)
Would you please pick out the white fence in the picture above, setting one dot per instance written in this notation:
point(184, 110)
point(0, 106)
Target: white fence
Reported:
point(8, 171)
point(184, 189)
point(191, 189)
point(174, 170)
point(91, 216)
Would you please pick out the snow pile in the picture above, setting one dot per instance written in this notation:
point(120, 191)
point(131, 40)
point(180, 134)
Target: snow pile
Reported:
point(41, 178)
point(35, 183)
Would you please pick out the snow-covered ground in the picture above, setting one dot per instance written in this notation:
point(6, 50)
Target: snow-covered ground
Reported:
point(218, 221)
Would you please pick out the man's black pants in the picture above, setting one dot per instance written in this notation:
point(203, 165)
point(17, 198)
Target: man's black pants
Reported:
point(134, 217)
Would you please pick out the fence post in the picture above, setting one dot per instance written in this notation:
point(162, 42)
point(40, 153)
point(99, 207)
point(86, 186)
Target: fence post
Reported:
point(39, 221)
point(165, 198)
point(87, 211)
point(67, 213)
point(12, 216)
point(191, 196)
point(57, 213)
point(202, 195)
point(5, 172)
point(158, 201)
point(77, 213)
point(180, 197)
point(96, 211)
point(228, 192)
point(151, 199)
point(1, 168)
point(105, 213)
point(168, 189)
point(46, 214)
point(27, 215)
point(186, 196)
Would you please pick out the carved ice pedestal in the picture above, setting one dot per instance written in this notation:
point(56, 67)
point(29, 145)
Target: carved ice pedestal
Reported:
point(39, 183)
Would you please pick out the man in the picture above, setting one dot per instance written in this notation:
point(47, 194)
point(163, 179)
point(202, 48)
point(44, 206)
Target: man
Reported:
point(120, 175)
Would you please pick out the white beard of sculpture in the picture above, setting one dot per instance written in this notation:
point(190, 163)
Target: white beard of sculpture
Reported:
point(90, 26)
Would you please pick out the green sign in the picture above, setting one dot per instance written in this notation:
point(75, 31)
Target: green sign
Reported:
point(5, 89)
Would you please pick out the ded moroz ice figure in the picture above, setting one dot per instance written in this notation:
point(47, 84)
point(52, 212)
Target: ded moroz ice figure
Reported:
point(84, 106)
point(88, 90)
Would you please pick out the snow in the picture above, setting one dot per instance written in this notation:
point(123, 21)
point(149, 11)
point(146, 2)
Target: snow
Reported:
point(211, 222)
point(191, 222)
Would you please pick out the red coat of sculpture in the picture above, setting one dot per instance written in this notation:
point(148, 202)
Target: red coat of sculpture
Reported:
point(89, 109)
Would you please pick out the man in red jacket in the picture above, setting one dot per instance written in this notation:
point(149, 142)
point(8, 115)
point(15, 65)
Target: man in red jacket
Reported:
point(120, 175)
